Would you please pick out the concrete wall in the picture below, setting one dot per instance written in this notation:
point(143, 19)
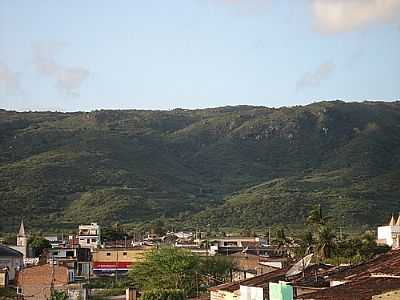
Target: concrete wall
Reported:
point(393, 295)
point(120, 255)
point(224, 295)
point(12, 263)
point(387, 233)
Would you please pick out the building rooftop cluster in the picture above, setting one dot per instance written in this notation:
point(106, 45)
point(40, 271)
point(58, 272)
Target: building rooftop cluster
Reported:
point(261, 271)
point(375, 278)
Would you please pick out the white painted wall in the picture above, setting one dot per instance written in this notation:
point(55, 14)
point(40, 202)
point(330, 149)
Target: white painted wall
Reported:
point(251, 293)
point(387, 233)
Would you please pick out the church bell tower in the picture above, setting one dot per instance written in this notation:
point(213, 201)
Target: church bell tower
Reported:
point(22, 238)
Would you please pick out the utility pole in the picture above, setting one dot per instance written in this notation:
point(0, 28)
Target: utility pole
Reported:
point(340, 233)
point(197, 284)
point(269, 236)
point(52, 279)
point(116, 268)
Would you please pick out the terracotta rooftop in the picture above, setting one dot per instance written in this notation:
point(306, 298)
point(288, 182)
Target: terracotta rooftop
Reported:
point(375, 277)
point(362, 289)
point(388, 263)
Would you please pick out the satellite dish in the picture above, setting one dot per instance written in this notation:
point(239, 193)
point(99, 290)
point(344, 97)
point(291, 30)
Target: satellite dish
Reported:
point(300, 266)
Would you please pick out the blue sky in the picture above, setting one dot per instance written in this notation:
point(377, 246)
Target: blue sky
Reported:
point(85, 55)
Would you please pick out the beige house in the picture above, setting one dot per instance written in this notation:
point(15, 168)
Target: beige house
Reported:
point(116, 260)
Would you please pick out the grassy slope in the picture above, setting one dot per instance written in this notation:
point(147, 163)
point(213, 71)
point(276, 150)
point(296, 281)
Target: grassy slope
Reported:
point(268, 165)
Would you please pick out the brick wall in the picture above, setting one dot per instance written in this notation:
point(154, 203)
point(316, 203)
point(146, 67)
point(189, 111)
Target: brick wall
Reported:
point(36, 281)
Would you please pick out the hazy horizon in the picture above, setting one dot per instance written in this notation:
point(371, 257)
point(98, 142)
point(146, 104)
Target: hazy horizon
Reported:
point(201, 108)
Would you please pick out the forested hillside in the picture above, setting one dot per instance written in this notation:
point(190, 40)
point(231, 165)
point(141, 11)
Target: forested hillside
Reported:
point(228, 166)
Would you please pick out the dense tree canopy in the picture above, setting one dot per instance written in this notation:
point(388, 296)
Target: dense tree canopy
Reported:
point(166, 268)
point(174, 268)
point(38, 244)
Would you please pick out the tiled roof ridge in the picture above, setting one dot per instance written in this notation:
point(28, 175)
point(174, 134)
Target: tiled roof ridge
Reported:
point(369, 266)
point(236, 284)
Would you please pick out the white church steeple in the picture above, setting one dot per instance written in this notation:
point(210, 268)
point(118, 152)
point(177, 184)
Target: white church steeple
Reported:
point(22, 239)
point(398, 221)
point(392, 221)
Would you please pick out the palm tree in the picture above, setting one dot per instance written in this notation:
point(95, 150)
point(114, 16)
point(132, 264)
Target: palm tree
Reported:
point(307, 242)
point(326, 242)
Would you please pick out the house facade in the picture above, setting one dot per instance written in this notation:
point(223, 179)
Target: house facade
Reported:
point(89, 236)
point(110, 261)
point(77, 259)
point(390, 234)
point(10, 260)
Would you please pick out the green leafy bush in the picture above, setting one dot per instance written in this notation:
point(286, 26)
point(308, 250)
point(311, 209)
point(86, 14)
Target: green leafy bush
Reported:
point(164, 294)
point(166, 268)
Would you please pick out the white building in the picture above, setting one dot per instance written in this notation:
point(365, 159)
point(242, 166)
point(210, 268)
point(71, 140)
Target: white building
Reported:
point(240, 242)
point(11, 260)
point(89, 236)
point(390, 234)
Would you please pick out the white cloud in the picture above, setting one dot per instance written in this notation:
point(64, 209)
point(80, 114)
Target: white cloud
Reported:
point(8, 78)
point(246, 6)
point(68, 79)
point(333, 16)
point(314, 78)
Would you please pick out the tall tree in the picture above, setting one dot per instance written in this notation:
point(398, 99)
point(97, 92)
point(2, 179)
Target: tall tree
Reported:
point(306, 243)
point(218, 268)
point(38, 244)
point(166, 268)
point(325, 242)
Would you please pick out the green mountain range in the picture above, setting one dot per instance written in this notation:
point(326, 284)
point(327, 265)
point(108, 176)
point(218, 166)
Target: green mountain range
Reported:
point(230, 166)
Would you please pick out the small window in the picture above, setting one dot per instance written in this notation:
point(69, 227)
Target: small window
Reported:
point(93, 240)
point(124, 253)
point(87, 241)
point(70, 254)
point(108, 254)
